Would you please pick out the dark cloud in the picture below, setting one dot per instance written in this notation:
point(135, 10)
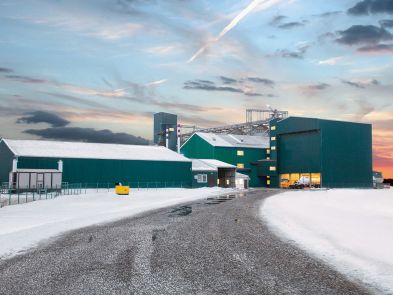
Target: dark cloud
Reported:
point(25, 79)
point(290, 25)
point(329, 13)
point(361, 85)
point(298, 54)
point(367, 7)
point(386, 23)
point(320, 86)
point(5, 70)
point(227, 80)
point(43, 117)
point(87, 135)
point(264, 81)
point(211, 86)
point(277, 20)
point(360, 34)
point(377, 48)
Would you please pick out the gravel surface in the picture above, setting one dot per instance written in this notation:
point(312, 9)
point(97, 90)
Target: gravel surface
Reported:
point(214, 246)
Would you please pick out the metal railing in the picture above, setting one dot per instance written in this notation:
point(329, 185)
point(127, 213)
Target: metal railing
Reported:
point(14, 196)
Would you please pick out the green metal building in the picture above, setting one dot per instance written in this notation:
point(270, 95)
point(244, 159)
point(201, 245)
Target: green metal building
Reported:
point(325, 153)
point(98, 164)
point(243, 151)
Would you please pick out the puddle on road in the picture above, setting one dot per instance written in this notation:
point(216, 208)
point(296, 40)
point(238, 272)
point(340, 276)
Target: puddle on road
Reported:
point(181, 211)
point(223, 198)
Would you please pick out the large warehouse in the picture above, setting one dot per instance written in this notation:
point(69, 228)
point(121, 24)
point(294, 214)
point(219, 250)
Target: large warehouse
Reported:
point(320, 153)
point(243, 151)
point(97, 164)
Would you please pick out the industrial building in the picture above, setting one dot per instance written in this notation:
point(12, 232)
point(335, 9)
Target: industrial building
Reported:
point(94, 164)
point(295, 153)
point(242, 151)
point(318, 153)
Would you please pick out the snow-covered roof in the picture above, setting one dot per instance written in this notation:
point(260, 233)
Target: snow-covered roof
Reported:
point(241, 175)
point(83, 150)
point(37, 171)
point(209, 165)
point(234, 140)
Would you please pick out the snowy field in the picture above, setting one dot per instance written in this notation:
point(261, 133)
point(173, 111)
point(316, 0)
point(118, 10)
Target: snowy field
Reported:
point(23, 226)
point(349, 229)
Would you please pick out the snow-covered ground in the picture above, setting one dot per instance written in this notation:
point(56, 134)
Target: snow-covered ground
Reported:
point(23, 226)
point(350, 229)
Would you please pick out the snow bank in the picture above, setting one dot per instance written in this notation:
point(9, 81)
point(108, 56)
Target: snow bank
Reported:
point(23, 226)
point(349, 229)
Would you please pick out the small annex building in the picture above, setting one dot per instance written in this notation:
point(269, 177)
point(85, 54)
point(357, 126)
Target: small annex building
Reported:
point(97, 164)
point(242, 151)
point(210, 173)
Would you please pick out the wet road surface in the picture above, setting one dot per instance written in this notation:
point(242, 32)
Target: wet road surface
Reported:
point(214, 246)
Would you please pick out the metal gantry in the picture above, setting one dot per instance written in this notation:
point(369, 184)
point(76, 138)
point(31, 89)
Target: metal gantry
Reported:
point(257, 122)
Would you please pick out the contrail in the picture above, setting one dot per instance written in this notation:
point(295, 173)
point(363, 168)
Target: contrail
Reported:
point(264, 5)
point(157, 82)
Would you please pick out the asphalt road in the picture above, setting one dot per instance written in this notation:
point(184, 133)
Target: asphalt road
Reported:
point(207, 247)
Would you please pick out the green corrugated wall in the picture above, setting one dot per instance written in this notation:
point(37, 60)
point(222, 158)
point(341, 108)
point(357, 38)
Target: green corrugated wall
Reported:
point(111, 171)
point(6, 157)
point(198, 148)
point(340, 151)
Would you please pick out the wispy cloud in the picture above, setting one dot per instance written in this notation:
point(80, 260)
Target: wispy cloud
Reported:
point(331, 61)
point(265, 3)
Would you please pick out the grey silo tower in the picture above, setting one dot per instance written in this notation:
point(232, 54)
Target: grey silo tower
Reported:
point(162, 122)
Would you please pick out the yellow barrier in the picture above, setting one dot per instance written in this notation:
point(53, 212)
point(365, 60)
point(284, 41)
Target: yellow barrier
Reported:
point(122, 190)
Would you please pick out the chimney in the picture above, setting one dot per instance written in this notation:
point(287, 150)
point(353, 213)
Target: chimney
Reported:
point(14, 165)
point(178, 138)
point(60, 165)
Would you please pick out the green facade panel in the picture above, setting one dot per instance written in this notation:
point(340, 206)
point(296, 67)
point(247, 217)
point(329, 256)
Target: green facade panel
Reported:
point(197, 148)
point(346, 154)
point(6, 157)
point(299, 152)
point(110, 171)
point(211, 176)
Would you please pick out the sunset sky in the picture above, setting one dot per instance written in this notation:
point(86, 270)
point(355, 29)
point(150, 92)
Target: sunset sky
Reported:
point(72, 69)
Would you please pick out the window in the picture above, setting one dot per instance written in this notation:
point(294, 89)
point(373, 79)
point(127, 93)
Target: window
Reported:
point(202, 178)
point(240, 165)
point(272, 168)
point(268, 182)
point(268, 152)
point(273, 138)
point(272, 127)
point(240, 153)
point(267, 158)
point(273, 148)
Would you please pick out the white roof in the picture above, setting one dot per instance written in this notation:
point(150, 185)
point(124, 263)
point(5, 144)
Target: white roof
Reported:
point(83, 150)
point(209, 165)
point(234, 140)
point(38, 171)
point(241, 175)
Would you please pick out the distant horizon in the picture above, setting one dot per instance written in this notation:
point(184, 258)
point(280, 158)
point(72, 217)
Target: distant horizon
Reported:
point(99, 69)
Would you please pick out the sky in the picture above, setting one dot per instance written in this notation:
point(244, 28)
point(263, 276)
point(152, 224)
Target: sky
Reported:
point(99, 69)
